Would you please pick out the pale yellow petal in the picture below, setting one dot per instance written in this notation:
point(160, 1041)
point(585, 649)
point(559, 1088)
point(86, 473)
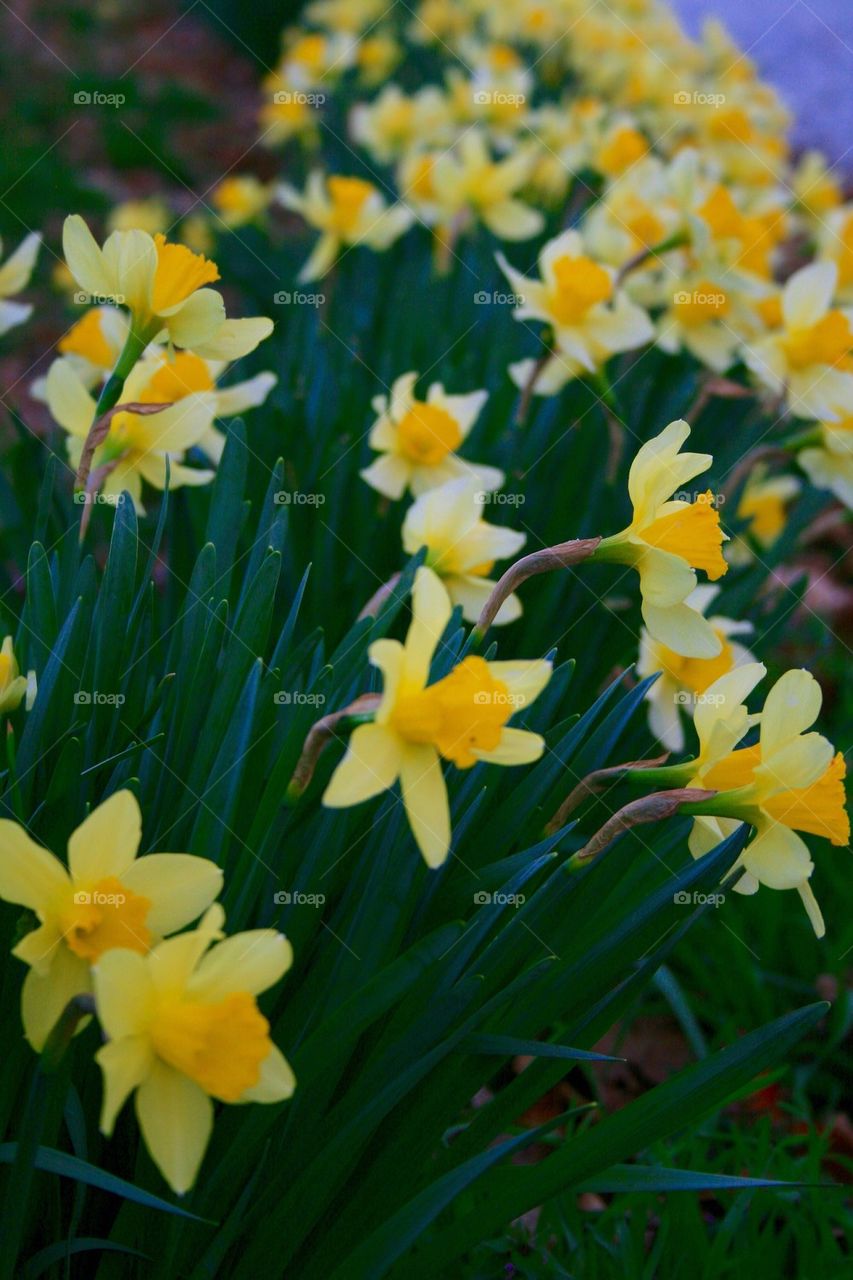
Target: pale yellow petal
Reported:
point(85, 259)
point(45, 996)
point(524, 680)
point(124, 992)
point(176, 1119)
point(106, 842)
point(431, 611)
point(371, 765)
point(250, 961)
point(125, 1064)
point(517, 746)
point(277, 1080)
point(425, 798)
point(179, 886)
point(235, 339)
point(198, 320)
point(29, 875)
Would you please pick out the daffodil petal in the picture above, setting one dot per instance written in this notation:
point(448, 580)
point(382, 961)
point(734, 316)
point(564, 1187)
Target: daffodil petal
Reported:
point(125, 1064)
point(250, 961)
point(176, 1119)
point(44, 996)
point(517, 746)
point(425, 799)
point(371, 765)
point(106, 842)
point(179, 886)
point(277, 1080)
point(29, 875)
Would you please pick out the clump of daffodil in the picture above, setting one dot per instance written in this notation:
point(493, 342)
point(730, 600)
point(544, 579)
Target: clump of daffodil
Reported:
point(807, 358)
point(348, 211)
point(462, 718)
point(467, 186)
point(106, 897)
point(683, 682)
point(461, 546)
point(183, 1028)
point(763, 506)
point(590, 318)
point(828, 459)
point(13, 686)
point(164, 287)
point(668, 539)
point(15, 275)
point(790, 781)
point(417, 440)
point(137, 446)
point(240, 199)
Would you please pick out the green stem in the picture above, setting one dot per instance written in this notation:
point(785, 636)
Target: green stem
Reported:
point(114, 385)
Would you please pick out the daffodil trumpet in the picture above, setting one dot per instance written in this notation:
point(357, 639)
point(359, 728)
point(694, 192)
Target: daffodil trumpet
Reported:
point(323, 732)
point(561, 556)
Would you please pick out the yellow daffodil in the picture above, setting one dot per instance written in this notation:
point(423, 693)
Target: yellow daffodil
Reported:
point(468, 186)
point(790, 781)
point(107, 897)
point(13, 686)
point(15, 275)
point(817, 192)
point(835, 240)
point(395, 121)
point(239, 199)
point(809, 357)
point(348, 211)
point(137, 446)
point(163, 286)
point(417, 440)
point(683, 682)
point(590, 318)
point(183, 1027)
point(667, 540)
point(700, 319)
point(376, 57)
point(829, 462)
point(764, 505)
point(151, 215)
point(461, 546)
point(462, 718)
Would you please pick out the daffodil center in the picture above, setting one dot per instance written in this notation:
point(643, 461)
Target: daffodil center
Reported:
point(348, 196)
point(459, 715)
point(103, 916)
point(86, 339)
point(692, 532)
point(220, 1046)
point(176, 378)
point(621, 151)
point(697, 674)
point(579, 284)
point(179, 273)
point(827, 342)
point(427, 433)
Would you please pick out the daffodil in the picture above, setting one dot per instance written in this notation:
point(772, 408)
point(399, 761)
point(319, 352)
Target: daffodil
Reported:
point(763, 505)
point(589, 316)
point(808, 358)
point(164, 287)
point(417, 440)
point(701, 319)
point(151, 215)
point(240, 199)
point(13, 686)
point(790, 781)
point(348, 211)
point(15, 275)
point(461, 546)
point(461, 718)
point(683, 682)
point(668, 539)
point(828, 462)
point(105, 898)
point(183, 1028)
point(468, 187)
point(395, 121)
point(137, 445)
